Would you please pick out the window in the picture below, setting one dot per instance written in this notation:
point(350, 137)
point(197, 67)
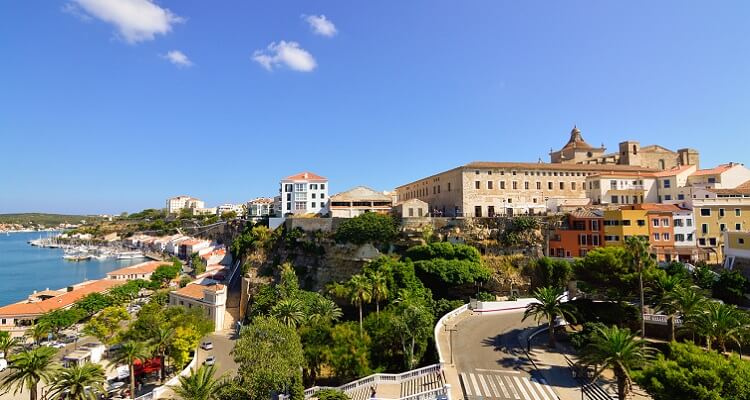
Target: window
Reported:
point(322, 195)
point(515, 185)
point(489, 185)
point(477, 184)
point(679, 237)
point(300, 187)
point(678, 222)
point(288, 187)
point(312, 196)
point(667, 184)
point(704, 229)
point(690, 237)
point(702, 241)
point(419, 212)
point(300, 196)
point(641, 222)
point(300, 206)
point(449, 186)
point(656, 236)
point(313, 186)
point(614, 200)
point(312, 205)
point(680, 196)
point(667, 197)
point(722, 227)
point(689, 221)
point(526, 185)
point(411, 212)
point(502, 185)
point(539, 186)
point(322, 186)
point(712, 241)
point(721, 212)
point(626, 222)
point(573, 185)
point(655, 221)
point(595, 240)
point(613, 184)
point(737, 227)
point(594, 225)
point(288, 206)
point(562, 185)
point(582, 240)
point(737, 212)
point(705, 212)
point(665, 222)
point(477, 211)
point(665, 236)
point(490, 211)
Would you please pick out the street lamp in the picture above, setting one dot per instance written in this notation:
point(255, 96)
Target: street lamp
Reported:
point(450, 338)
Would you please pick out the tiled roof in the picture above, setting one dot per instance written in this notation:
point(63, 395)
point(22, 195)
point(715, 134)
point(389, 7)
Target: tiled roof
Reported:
point(305, 176)
point(142, 268)
point(261, 200)
point(630, 174)
point(61, 301)
point(586, 214)
point(360, 193)
point(673, 171)
point(657, 207)
point(713, 171)
point(195, 291)
point(742, 189)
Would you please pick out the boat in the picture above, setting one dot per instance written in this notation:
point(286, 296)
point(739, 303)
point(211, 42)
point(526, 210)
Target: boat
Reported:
point(127, 255)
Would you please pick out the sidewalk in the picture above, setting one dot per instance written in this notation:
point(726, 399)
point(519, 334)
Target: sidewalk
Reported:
point(449, 368)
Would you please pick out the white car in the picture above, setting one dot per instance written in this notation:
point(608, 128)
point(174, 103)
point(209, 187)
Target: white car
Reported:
point(207, 345)
point(210, 360)
point(3, 364)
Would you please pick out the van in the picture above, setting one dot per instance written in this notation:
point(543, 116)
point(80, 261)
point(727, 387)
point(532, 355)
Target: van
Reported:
point(3, 364)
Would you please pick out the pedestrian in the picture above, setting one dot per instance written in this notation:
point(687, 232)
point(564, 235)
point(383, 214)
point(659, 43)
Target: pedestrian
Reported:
point(373, 391)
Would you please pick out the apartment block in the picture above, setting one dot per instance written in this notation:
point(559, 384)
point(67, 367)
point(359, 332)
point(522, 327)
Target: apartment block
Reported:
point(717, 211)
point(175, 204)
point(580, 232)
point(737, 251)
point(622, 187)
point(685, 235)
point(304, 193)
point(622, 223)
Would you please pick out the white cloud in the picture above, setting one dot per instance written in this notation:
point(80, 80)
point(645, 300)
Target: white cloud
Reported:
point(178, 58)
point(135, 20)
point(320, 25)
point(285, 53)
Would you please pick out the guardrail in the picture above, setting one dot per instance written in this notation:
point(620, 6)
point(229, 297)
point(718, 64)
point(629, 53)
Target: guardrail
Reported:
point(376, 379)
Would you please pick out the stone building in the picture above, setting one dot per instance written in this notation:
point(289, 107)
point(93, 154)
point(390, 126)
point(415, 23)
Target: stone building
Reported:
point(577, 151)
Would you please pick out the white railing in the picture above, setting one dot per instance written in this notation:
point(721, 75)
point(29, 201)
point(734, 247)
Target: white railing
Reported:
point(441, 325)
point(376, 379)
point(661, 319)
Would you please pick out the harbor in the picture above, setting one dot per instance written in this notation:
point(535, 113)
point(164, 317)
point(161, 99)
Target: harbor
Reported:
point(84, 252)
point(27, 268)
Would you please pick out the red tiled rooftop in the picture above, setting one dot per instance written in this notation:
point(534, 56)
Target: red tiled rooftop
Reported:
point(142, 268)
point(61, 301)
point(713, 171)
point(309, 176)
point(195, 291)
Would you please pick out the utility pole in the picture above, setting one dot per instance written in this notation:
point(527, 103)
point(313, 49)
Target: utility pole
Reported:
point(450, 338)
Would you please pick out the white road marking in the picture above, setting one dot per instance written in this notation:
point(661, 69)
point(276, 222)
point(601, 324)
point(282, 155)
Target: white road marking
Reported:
point(498, 370)
point(466, 384)
point(531, 388)
point(519, 384)
point(540, 388)
point(484, 385)
point(502, 387)
point(492, 385)
point(513, 387)
point(548, 388)
point(476, 387)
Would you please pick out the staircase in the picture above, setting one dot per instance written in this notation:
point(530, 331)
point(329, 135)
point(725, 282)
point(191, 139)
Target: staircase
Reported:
point(421, 384)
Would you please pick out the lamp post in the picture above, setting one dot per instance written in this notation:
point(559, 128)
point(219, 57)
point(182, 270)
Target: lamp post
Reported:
point(450, 339)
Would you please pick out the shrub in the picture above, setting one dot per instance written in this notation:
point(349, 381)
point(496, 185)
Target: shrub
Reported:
point(367, 228)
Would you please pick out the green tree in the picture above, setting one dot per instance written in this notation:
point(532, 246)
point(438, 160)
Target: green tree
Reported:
point(161, 339)
point(414, 321)
point(58, 320)
point(703, 277)
point(619, 350)
point(78, 382)
point(316, 343)
point(730, 287)
point(270, 358)
point(606, 270)
point(199, 266)
point(93, 302)
point(38, 332)
point(686, 371)
point(331, 394)
point(128, 354)
point(662, 292)
point(290, 312)
point(201, 384)
point(166, 273)
point(547, 272)
point(107, 324)
point(184, 340)
point(379, 285)
point(367, 228)
point(349, 351)
point(27, 369)
point(640, 259)
point(359, 292)
point(548, 306)
point(720, 323)
point(687, 302)
point(322, 310)
point(7, 343)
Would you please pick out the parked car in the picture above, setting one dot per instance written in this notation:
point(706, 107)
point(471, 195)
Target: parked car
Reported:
point(210, 360)
point(207, 345)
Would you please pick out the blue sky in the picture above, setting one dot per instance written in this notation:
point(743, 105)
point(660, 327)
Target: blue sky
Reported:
point(95, 116)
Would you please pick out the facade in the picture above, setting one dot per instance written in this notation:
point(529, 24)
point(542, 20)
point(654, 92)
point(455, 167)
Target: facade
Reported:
point(138, 271)
point(725, 176)
point(622, 223)
point(577, 151)
point(357, 201)
point(661, 230)
point(190, 246)
point(260, 207)
point(210, 298)
point(737, 251)
point(303, 193)
point(413, 208)
point(18, 317)
point(672, 185)
point(621, 188)
point(238, 209)
point(175, 204)
point(581, 231)
point(684, 235)
point(487, 189)
point(717, 211)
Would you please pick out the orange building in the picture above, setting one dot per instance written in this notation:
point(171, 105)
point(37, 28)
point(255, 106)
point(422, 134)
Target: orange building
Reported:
point(660, 229)
point(580, 232)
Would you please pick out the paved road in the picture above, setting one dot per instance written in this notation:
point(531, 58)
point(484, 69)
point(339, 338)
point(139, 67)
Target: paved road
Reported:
point(490, 362)
point(223, 345)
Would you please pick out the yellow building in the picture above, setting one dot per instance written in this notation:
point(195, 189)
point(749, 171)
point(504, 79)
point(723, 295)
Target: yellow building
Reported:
point(737, 251)
point(622, 224)
point(716, 212)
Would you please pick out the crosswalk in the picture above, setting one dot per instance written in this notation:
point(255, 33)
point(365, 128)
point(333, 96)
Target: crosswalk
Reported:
point(504, 385)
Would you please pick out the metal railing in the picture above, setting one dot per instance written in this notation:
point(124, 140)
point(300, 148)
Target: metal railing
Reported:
point(376, 379)
point(661, 319)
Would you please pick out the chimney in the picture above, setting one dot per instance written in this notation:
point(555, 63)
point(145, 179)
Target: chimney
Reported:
point(305, 175)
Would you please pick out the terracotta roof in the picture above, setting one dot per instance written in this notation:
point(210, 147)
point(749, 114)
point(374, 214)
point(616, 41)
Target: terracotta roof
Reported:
point(673, 171)
point(576, 141)
point(716, 170)
point(305, 176)
point(742, 189)
point(61, 301)
point(587, 214)
point(191, 242)
point(360, 193)
point(656, 207)
point(195, 290)
point(142, 268)
point(262, 200)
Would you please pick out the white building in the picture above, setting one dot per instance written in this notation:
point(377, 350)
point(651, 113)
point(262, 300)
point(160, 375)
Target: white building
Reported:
point(212, 299)
point(175, 204)
point(304, 193)
point(260, 207)
point(238, 209)
point(684, 235)
point(138, 271)
point(622, 188)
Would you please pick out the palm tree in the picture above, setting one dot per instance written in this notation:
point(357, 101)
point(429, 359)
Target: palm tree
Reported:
point(7, 343)
point(687, 302)
point(128, 354)
point(661, 289)
point(27, 369)
point(199, 385)
point(324, 310)
point(79, 382)
point(160, 340)
point(38, 332)
point(719, 322)
point(290, 312)
point(379, 285)
point(638, 249)
point(548, 306)
point(360, 293)
point(618, 349)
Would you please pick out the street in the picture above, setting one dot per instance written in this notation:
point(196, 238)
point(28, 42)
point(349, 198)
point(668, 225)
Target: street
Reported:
point(490, 362)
